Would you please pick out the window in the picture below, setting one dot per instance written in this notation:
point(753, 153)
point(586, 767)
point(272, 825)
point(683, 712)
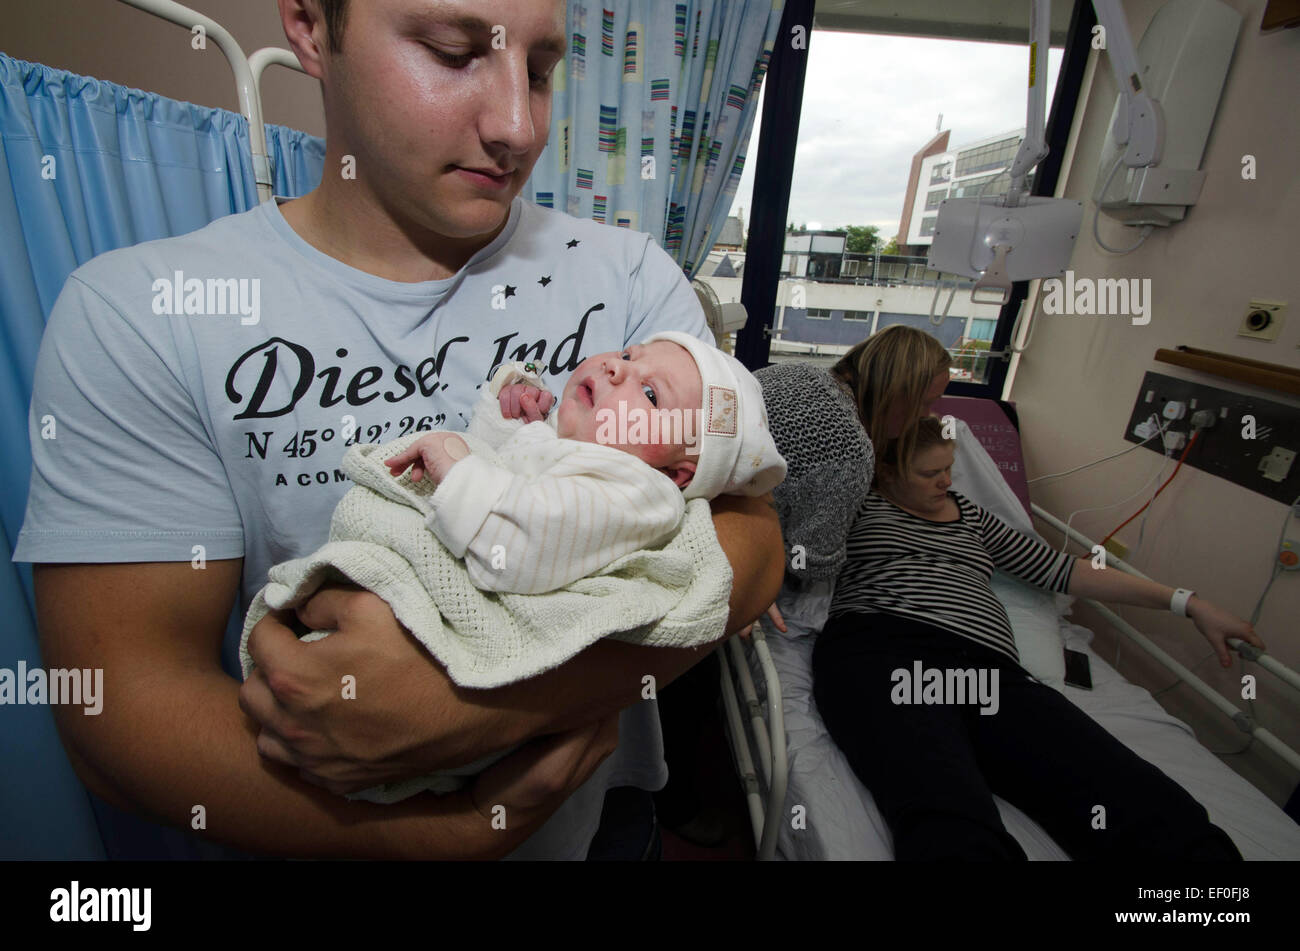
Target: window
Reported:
point(901, 285)
point(972, 187)
point(995, 155)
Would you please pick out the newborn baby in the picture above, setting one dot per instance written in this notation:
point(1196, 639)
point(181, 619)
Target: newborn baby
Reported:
point(507, 550)
point(636, 434)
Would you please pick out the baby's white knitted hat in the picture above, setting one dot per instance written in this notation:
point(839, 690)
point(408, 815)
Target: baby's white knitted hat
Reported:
point(737, 453)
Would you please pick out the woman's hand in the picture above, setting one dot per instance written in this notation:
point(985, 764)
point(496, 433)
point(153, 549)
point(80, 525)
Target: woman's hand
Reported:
point(1218, 625)
point(774, 614)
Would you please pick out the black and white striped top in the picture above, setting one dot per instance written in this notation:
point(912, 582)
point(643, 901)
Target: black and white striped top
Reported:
point(938, 572)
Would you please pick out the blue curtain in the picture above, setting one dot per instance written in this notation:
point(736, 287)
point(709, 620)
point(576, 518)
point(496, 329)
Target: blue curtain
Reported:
point(652, 115)
point(85, 167)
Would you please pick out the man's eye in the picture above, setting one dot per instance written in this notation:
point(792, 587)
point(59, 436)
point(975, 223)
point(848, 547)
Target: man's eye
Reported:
point(454, 60)
point(649, 392)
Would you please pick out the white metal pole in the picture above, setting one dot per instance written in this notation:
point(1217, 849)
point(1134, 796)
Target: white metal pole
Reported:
point(1243, 722)
point(1268, 662)
point(740, 745)
point(245, 86)
point(780, 765)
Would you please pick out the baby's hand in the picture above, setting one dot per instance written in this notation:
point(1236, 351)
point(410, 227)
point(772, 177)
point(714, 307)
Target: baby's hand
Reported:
point(435, 454)
point(521, 400)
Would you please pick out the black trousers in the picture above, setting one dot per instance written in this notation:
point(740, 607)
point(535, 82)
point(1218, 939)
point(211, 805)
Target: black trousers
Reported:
point(933, 769)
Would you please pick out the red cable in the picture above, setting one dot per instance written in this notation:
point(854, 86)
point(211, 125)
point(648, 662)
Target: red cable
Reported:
point(1186, 449)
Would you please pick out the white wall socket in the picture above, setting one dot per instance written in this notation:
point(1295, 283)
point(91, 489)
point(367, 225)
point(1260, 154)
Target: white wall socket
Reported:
point(1263, 319)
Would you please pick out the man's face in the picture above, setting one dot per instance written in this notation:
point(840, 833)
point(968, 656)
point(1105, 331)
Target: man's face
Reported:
point(445, 104)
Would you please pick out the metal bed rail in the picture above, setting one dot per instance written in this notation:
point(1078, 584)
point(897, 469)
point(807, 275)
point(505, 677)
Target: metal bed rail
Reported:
point(248, 76)
point(1242, 720)
point(766, 743)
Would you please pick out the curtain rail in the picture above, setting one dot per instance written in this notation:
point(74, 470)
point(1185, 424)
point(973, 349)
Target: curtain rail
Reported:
point(246, 82)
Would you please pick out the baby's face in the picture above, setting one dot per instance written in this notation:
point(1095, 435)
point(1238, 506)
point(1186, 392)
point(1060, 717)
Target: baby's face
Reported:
point(611, 398)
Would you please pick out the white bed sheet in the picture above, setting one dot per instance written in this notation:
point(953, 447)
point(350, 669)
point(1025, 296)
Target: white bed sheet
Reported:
point(842, 821)
point(841, 818)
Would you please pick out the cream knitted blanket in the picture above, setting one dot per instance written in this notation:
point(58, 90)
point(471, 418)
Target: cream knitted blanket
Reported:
point(672, 596)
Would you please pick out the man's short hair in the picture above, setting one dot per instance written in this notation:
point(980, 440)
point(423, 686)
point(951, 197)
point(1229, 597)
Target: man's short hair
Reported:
point(335, 12)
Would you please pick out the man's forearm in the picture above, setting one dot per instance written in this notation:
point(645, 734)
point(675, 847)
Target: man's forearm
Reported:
point(610, 675)
point(201, 751)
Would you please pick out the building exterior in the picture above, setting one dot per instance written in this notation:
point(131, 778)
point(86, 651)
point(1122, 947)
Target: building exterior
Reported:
point(953, 173)
point(936, 146)
point(733, 233)
point(829, 298)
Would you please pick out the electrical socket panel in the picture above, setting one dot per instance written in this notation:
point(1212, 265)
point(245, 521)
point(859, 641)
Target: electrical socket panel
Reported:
point(1253, 443)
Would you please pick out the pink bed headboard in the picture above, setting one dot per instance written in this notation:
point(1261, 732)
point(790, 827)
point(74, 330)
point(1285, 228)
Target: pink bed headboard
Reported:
point(996, 434)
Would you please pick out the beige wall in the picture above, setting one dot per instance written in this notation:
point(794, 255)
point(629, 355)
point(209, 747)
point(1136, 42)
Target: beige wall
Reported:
point(109, 40)
point(1077, 384)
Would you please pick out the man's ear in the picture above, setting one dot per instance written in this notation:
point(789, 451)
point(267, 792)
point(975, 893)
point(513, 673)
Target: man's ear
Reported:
point(305, 31)
point(681, 473)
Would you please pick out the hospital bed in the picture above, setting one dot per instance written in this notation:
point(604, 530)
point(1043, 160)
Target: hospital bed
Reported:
point(804, 799)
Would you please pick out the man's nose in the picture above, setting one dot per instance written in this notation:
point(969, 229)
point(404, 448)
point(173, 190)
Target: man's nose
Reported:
point(506, 119)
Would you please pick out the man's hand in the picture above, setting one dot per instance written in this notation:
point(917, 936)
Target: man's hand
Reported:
point(295, 693)
point(1218, 625)
point(434, 454)
point(534, 781)
point(521, 401)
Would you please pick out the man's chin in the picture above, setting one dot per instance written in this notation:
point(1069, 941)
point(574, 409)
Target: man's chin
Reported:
point(476, 218)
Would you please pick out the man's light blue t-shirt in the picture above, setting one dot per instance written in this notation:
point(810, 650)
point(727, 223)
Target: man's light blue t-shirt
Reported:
point(203, 390)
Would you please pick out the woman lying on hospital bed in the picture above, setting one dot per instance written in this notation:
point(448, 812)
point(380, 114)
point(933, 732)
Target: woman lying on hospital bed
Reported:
point(916, 673)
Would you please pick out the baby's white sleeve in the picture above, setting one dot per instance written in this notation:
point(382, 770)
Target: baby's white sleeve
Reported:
point(486, 422)
point(556, 511)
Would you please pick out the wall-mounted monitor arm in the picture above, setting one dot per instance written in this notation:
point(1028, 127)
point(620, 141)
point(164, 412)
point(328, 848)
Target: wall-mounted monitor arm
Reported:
point(1033, 148)
point(1141, 123)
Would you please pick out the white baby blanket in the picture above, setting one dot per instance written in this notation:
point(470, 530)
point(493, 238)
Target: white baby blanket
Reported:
point(674, 595)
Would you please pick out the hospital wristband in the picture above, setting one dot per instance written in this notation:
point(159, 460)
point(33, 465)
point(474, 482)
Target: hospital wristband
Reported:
point(1178, 603)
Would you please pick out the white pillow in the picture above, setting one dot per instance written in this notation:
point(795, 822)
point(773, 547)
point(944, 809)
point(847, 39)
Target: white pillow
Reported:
point(1034, 613)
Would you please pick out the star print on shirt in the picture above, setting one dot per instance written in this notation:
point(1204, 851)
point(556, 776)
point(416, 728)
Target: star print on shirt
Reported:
point(510, 291)
point(544, 280)
point(573, 244)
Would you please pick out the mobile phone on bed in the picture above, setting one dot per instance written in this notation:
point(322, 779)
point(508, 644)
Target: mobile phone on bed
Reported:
point(1077, 671)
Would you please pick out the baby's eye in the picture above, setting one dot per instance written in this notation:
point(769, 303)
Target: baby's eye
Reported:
point(649, 392)
point(626, 354)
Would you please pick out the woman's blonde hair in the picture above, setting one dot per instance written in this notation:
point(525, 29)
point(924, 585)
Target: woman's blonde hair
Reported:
point(893, 368)
point(929, 433)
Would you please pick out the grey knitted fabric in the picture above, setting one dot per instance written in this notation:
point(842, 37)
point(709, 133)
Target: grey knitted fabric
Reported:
point(815, 424)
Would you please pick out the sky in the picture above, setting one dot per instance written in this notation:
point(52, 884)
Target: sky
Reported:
point(871, 102)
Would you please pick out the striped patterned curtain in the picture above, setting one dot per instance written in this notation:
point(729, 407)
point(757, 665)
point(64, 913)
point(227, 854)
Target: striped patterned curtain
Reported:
point(649, 129)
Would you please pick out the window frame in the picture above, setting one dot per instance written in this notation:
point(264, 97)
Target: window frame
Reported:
point(774, 173)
